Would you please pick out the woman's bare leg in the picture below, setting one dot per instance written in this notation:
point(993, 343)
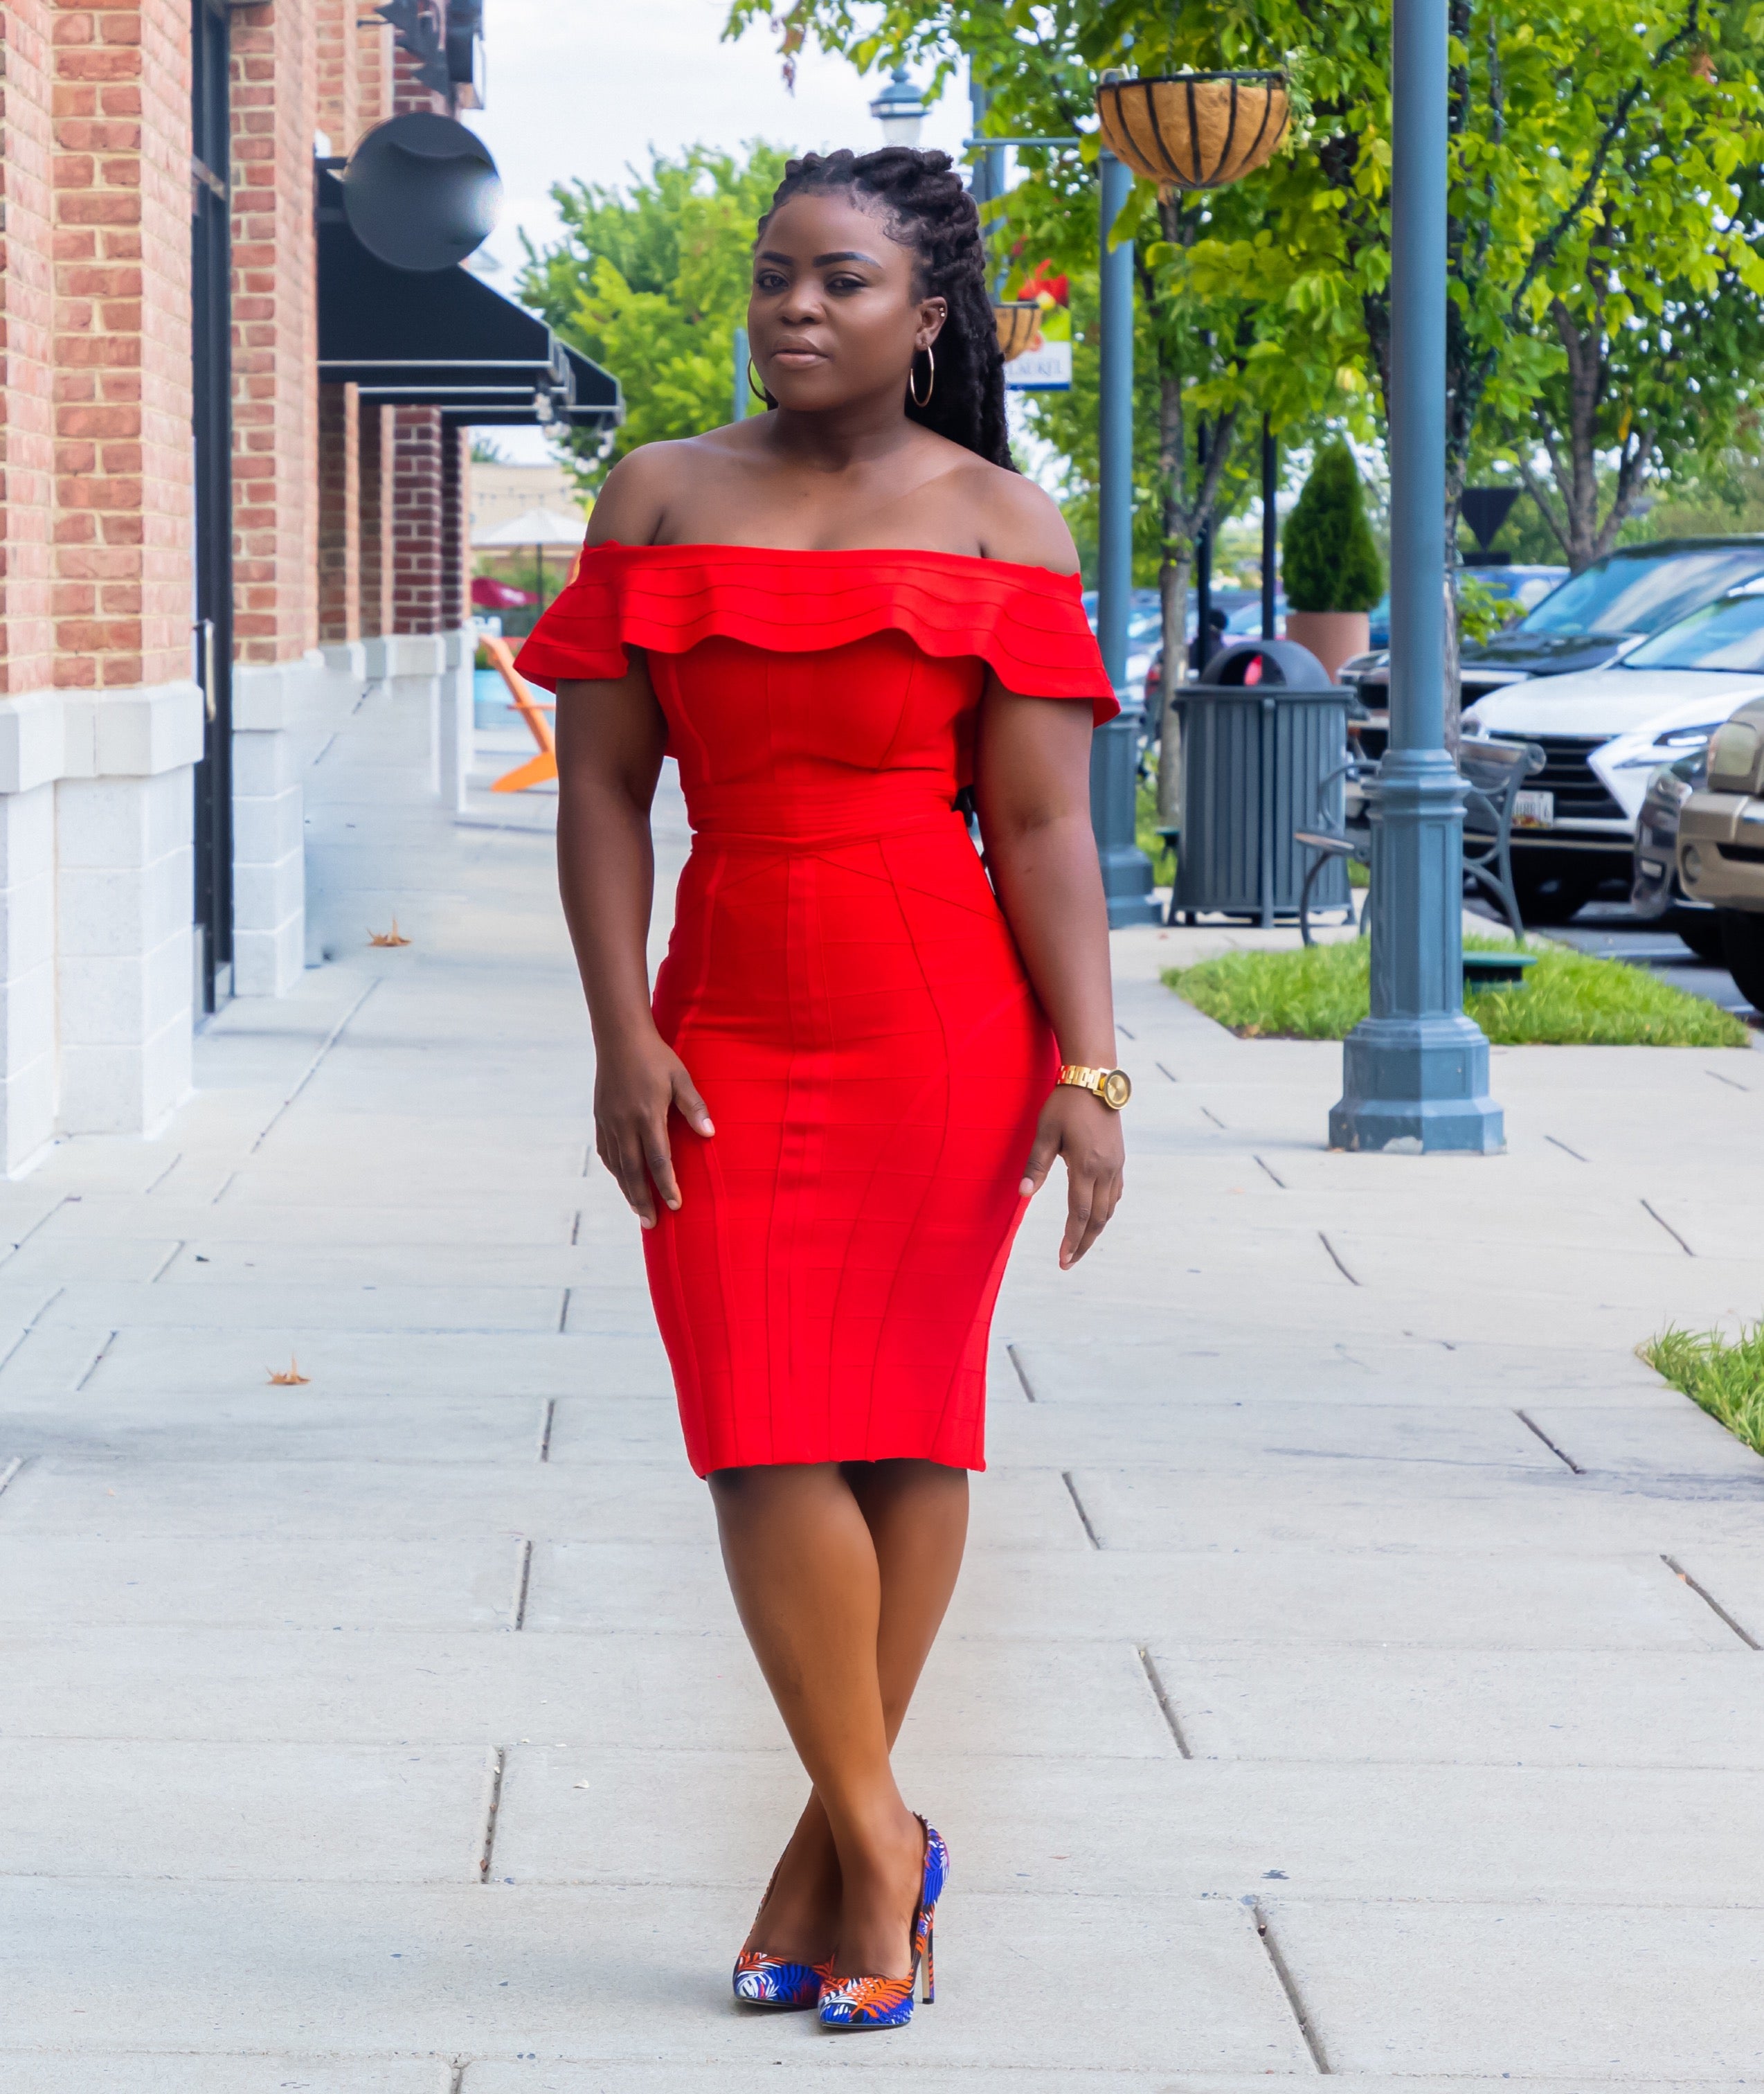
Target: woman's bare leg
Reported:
point(828, 1565)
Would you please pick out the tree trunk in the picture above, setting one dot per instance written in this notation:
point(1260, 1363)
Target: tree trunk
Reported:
point(1173, 585)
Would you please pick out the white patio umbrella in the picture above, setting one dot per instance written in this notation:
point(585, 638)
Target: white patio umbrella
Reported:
point(538, 528)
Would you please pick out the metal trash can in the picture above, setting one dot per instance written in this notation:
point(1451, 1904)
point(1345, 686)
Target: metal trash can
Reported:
point(1255, 754)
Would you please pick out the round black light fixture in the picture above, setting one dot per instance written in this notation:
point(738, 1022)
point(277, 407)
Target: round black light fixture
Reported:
point(421, 192)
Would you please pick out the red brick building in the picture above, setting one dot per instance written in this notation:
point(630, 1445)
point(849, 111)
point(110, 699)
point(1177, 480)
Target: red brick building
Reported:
point(228, 497)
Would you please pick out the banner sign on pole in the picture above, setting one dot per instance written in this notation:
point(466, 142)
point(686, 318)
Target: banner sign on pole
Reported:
point(1038, 353)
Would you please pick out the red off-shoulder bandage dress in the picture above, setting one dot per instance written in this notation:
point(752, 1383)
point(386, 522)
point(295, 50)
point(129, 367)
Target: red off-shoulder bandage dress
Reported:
point(841, 982)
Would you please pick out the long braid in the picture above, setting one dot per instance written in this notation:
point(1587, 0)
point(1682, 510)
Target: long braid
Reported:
point(930, 211)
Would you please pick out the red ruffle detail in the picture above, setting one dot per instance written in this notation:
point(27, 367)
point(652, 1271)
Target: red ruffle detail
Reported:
point(1026, 623)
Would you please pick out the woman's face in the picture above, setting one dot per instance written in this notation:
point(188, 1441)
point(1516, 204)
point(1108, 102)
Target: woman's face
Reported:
point(835, 315)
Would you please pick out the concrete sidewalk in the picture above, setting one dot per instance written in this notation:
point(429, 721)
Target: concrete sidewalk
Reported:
point(1356, 1669)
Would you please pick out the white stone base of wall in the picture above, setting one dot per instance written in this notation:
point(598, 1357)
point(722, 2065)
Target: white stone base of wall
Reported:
point(430, 673)
point(270, 705)
point(96, 904)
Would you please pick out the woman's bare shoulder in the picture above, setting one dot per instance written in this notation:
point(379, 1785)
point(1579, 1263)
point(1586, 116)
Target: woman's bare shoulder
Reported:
point(633, 503)
point(1021, 521)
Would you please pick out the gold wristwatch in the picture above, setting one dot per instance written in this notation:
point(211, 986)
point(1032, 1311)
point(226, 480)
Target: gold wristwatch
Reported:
point(1111, 1085)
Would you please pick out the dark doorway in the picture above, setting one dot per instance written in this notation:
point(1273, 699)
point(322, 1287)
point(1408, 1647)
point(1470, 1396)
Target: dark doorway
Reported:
point(211, 209)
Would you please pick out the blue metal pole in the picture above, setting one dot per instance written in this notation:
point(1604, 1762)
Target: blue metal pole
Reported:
point(1416, 1073)
point(1127, 876)
point(744, 394)
point(986, 184)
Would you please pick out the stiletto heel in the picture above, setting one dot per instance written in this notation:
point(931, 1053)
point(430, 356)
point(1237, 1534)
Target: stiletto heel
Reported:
point(850, 2003)
point(761, 1980)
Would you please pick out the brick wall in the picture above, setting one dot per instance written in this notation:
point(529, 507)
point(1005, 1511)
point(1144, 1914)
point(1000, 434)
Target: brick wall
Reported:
point(339, 513)
point(372, 58)
point(373, 463)
point(121, 341)
point(455, 527)
point(417, 592)
point(27, 457)
point(276, 317)
point(338, 110)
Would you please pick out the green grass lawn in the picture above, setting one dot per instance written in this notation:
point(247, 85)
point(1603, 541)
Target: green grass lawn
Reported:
point(1569, 999)
point(1725, 1375)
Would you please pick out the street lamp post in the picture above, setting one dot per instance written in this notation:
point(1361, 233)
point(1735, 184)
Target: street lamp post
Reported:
point(1415, 1072)
point(1127, 874)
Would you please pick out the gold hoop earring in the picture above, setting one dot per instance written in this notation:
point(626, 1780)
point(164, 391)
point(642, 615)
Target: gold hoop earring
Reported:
point(931, 382)
point(757, 385)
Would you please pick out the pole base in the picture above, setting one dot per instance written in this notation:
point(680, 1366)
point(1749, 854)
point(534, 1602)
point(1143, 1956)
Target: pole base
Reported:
point(1417, 1085)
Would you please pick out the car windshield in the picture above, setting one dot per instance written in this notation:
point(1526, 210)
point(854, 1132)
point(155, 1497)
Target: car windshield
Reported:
point(1728, 635)
point(1624, 594)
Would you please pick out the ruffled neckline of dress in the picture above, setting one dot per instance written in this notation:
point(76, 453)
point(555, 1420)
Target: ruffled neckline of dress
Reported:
point(1027, 623)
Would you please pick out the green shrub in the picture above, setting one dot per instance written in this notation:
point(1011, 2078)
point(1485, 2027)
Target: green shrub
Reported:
point(1569, 999)
point(1328, 560)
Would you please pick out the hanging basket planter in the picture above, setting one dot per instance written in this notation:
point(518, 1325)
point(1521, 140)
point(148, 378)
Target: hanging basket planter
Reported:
point(1195, 130)
point(1018, 321)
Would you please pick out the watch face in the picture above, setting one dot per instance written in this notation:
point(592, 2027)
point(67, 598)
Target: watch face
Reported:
point(1116, 1090)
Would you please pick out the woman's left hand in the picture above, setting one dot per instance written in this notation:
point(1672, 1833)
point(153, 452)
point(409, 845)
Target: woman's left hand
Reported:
point(1076, 1124)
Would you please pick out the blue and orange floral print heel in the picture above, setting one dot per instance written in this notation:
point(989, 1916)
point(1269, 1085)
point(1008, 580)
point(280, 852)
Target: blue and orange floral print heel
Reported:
point(767, 1981)
point(872, 2003)
point(761, 1980)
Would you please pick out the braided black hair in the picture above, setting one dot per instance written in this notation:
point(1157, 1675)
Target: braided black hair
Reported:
point(929, 210)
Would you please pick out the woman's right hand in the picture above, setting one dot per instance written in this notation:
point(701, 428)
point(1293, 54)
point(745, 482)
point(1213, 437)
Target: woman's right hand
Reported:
point(635, 1089)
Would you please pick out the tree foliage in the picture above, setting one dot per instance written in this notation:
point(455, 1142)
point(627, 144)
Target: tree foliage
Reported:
point(651, 281)
point(1329, 560)
point(1603, 281)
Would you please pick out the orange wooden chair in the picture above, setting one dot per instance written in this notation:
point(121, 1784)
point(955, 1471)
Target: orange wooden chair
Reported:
point(536, 769)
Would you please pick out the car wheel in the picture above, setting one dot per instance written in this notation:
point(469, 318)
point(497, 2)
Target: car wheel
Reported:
point(1742, 947)
point(1701, 930)
point(1550, 897)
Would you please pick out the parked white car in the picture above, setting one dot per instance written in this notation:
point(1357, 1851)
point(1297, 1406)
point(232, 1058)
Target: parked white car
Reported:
point(1605, 732)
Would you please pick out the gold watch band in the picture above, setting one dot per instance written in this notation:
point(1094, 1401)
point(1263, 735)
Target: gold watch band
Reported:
point(1111, 1085)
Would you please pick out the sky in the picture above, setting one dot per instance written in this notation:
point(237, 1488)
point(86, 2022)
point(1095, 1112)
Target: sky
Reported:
point(584, 88)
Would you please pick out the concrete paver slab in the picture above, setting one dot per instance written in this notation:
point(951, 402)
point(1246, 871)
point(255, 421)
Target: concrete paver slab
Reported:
point(1329, 1367)
point(1521, 1600)
point(574, 1973)
point(1672, 1438)
point(274, 1424)
point(345, 1583)
point(1482, 1707)
point(383, 1363)
point(334, 1307)
point(195, 1810)
point(1617, 1995)
point(1348, 1504)
point(183, 2072)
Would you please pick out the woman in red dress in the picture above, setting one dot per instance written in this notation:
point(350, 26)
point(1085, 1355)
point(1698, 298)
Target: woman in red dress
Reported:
point(863, 1055)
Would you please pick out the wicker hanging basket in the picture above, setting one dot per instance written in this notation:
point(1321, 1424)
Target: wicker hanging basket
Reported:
point(1018, 321)
point(1195, 130)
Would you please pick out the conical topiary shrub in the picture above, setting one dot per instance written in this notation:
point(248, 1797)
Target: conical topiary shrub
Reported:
point(1329, 564)
point(1328, 560)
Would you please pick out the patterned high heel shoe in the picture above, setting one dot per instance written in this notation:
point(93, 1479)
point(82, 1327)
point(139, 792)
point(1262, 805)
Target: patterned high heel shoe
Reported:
point(852, 2003)
point(762, 1980)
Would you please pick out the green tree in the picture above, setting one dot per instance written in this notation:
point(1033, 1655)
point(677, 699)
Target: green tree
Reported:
point(1631, 114)
point(651, 281)
point(1658, 357)
point(1328, 557)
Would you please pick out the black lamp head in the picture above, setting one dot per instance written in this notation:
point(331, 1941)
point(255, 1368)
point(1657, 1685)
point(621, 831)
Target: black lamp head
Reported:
point(421, 192)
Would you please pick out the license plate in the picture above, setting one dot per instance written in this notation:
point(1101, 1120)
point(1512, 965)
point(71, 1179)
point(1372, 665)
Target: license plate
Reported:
point(1534, 810)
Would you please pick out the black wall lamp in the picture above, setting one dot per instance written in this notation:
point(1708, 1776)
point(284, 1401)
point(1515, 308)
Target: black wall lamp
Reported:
point(446, 39)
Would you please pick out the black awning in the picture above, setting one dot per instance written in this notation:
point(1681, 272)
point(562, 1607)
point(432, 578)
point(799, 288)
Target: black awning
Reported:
point(444, 339)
